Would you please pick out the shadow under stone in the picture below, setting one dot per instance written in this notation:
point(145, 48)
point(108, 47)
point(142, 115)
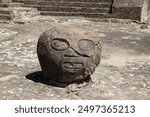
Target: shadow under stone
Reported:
point(38, 77)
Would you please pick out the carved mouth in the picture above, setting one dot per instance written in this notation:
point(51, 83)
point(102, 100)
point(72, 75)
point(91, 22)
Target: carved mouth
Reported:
point(72, 66)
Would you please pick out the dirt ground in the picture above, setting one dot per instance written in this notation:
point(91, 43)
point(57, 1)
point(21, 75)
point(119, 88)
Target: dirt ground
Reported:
point(124, 71)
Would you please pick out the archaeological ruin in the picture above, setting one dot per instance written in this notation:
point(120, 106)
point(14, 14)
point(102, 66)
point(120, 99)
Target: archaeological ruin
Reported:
point(17, 10)
point(74, 50)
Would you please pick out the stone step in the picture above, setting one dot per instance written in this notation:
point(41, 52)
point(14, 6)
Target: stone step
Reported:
point(11, 4)
point(66, 0)
point(5, 17)
point(15, 13)
point(63, 3)
point(5, 11)
point(81, 0)
point(70, 9)
point(10, 10)
point(5, 21)
point(84, 14)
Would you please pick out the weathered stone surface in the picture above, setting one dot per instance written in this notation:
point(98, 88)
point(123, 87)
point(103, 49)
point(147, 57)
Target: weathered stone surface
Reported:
point(6, 34)
point(132, 9)
point(68, 54)
point(14, 12)
point(85, 8)
point(127, 9)
point(128, 3)
point(123, 72)
point(5, 1)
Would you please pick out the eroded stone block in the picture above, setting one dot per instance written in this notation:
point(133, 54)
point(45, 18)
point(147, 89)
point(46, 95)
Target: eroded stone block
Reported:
point(68, 54)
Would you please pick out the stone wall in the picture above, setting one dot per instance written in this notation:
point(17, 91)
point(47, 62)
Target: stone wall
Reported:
point(145, 15)
point(128, 3)
point(130, 9)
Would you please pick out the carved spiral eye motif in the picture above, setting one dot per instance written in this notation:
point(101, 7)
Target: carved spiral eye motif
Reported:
point(86, 44)
point(59, 44)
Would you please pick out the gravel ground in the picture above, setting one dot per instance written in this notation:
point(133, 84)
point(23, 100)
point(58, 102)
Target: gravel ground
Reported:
point(124, 72)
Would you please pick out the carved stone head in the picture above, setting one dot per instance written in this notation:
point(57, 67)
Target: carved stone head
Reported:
point(68, 54)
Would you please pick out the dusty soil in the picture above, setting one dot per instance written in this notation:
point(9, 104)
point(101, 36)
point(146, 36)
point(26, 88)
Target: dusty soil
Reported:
point(124, 72)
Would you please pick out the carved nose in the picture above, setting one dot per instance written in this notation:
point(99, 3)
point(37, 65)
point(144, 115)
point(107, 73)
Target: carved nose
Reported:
point(71, 53)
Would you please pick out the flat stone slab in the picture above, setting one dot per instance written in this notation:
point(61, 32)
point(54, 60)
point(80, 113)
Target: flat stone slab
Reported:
point(7, 34)
point(124, 72)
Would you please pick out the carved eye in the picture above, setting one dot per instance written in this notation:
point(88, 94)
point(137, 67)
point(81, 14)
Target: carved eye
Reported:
point(59, 44)
point(86, 44)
